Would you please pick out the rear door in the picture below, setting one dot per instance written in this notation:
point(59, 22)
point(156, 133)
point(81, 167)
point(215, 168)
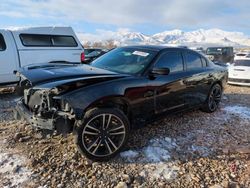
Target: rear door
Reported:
point(198, 78)
point(169, 89)
point(8, 58)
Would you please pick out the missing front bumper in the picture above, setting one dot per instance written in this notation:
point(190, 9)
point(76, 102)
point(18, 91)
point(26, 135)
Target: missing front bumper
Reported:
point(60, 123)
point(22, 112)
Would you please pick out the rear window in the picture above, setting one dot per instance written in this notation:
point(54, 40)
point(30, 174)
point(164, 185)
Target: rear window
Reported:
point(224, 51)
point(64, 41)
point(2, 43)
point(47, 40)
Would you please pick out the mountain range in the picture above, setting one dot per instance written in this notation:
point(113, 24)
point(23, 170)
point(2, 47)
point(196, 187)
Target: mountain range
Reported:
point(197, 38)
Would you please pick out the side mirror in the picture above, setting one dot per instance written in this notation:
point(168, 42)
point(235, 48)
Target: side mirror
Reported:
point(160, 71)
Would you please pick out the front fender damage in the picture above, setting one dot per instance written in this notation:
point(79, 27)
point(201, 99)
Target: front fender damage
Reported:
point(42, 110)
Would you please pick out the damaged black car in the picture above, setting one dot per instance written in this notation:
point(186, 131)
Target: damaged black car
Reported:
point(123, 89)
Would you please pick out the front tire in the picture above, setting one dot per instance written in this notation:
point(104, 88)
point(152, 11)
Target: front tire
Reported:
point(213, 99)
point(102, 133)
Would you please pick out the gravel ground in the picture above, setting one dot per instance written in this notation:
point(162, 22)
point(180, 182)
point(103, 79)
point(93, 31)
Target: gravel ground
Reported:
point(191, 149)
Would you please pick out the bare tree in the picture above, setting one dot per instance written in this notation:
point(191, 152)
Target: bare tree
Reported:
point(97, 45)
point(110, 44)
point(87, 44)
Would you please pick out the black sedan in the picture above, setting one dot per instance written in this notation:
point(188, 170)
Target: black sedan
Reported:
point(102, 102)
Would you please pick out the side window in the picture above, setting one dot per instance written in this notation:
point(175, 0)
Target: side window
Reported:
point(35, 40)
point(204, 62)
point(68, 41)
point(193, 61)
point(2, 43)
point(171, 60)
point(47, 40)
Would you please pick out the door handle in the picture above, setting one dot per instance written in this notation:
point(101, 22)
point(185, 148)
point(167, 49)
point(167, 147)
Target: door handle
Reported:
point(148, 94)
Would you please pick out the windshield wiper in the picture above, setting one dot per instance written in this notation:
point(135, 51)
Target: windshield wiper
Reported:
point(64, 62)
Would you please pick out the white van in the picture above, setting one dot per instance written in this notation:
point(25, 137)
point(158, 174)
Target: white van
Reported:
point(22, 47)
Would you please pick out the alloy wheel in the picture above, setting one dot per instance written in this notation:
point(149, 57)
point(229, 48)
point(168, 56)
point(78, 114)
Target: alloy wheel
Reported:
point(214, 98)
point(103, 135)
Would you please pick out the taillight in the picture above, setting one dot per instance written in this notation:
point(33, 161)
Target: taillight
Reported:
point(82, 57)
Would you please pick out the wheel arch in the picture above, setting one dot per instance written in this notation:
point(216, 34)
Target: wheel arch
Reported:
point(217, 82)
point(119, 102)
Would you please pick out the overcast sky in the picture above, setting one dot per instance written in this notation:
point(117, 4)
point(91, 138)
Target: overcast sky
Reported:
point(146, 16)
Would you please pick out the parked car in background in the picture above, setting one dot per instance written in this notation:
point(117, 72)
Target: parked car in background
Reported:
point(220, 54)
point(89, 50)
point(91, 54)
point(24, 46)
point(199, 49)
point(241, 55)
point(239, 72)
point(126, 87)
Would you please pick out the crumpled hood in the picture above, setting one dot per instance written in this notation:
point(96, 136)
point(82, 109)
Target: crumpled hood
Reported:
point(60, 74)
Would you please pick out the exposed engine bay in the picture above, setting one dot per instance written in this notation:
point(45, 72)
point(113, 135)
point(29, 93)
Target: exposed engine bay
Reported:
point(47, 111)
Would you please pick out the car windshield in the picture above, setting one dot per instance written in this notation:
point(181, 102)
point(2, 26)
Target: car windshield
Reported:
point(94, 53)
point(88, 51)
point(245, 62)
point(126, 60)
point(241, 54)
point(214, 50)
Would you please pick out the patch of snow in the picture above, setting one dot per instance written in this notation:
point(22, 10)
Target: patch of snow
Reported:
point(160, 153)
point(129, 154)
point(159, 150)
point(12, 168)
point(156, 154)
point(241, 111)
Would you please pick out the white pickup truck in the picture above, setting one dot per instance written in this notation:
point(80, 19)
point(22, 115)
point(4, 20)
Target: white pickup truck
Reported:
point(22, 47)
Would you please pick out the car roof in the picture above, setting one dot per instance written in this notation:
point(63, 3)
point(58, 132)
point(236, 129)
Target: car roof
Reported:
point(155, 47)
point(220, 47)
point(95, 48)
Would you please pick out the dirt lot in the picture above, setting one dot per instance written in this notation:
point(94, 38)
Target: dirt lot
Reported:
point(192, 149)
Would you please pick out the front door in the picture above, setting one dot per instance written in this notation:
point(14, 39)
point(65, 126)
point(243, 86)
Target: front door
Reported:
point(169, 89)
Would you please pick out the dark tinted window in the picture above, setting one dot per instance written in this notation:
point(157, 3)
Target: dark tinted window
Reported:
point(88, 51)
point(193, 60)
point(2, 43)
point(47, 40)
point(220, 50)
point(36, 40)
point(204, 62)
point(64, 41)
point(125, 60)
point(94, 53)
point(171, 60)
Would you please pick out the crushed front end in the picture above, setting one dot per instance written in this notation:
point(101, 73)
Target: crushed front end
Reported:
point(44, 109)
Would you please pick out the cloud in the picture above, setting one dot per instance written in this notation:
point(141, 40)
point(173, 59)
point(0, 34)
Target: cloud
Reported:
point(127, 13)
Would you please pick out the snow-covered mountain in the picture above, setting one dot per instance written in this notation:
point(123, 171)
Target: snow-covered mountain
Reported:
point(199, 37)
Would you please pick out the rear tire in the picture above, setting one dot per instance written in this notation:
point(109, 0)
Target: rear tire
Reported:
point(213, 99)
point(102, 133)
